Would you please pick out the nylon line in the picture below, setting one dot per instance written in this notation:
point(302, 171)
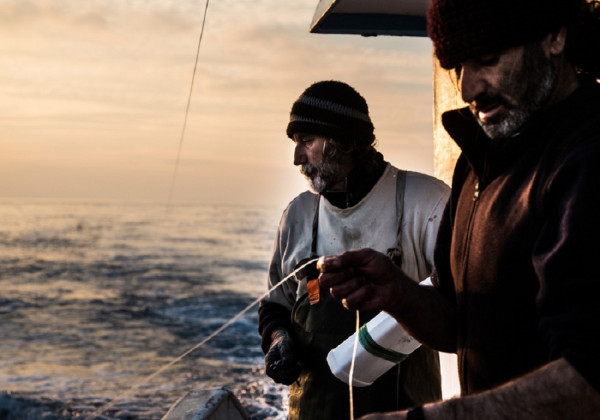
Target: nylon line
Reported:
point(187, 110)
point(351, 373)
point(105, 407)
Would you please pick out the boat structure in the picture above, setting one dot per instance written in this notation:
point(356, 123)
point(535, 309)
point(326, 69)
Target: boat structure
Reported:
point(205, 404)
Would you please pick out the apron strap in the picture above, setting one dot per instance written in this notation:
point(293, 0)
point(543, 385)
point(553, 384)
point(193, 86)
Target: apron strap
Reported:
point(396, 253)
point(400, 187)
point(315, 228)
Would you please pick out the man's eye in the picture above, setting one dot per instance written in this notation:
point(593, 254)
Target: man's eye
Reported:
point(489, 60)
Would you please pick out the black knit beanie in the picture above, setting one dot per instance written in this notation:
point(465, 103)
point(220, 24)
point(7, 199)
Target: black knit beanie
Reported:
point(466, 29)
point(331, 109)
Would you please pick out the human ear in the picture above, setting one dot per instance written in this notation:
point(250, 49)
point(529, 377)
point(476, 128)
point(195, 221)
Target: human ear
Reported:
point(554, 43)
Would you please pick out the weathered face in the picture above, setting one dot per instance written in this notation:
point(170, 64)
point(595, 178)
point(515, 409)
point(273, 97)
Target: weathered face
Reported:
point(505, 90)
point(316, 164)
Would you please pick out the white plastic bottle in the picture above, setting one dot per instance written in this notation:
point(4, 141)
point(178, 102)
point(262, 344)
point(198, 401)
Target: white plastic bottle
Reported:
point(383, 343)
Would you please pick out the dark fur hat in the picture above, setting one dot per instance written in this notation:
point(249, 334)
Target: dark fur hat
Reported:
point(465, 29)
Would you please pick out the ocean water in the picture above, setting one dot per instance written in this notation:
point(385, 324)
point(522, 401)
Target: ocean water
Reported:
point(97, 297)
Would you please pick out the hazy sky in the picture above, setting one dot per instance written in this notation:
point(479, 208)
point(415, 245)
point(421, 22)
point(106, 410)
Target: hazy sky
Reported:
point(93, 96)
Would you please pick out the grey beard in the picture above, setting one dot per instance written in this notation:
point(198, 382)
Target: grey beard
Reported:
point(316, 183)
point(508, 126)
point(322, 176)
point(533, 100)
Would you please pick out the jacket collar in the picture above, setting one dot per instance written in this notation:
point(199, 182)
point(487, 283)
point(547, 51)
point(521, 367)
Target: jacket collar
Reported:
point(550, 124)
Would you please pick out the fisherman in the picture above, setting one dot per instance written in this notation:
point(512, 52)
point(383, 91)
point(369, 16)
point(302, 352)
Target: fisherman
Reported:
point(517, 289)
point(356, 199)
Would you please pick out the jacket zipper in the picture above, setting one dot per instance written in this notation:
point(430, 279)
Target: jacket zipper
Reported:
point(466, 245)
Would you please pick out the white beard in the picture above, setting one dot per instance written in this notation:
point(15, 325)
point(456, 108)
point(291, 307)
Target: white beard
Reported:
point(321, 177)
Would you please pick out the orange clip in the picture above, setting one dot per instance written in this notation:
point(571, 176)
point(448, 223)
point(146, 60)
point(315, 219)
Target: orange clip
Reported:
point(313, 291)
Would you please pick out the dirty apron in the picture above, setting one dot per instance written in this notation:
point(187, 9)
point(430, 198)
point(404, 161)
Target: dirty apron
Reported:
point(318, 394)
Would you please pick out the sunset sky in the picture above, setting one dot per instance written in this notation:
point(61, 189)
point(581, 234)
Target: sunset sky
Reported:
point(93, 96)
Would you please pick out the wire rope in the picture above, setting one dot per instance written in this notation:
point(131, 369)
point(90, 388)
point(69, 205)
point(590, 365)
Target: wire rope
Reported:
point(187, 110)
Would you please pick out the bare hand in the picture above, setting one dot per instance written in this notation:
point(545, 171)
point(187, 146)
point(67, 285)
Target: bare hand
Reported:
point(364, 279)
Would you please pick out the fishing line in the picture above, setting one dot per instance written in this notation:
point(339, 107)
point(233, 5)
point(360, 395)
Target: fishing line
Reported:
point(201, 343)
point(351, 373)
point(187, 109)
point(354, 347)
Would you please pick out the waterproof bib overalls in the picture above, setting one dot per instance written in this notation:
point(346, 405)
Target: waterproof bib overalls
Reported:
point(321, 326)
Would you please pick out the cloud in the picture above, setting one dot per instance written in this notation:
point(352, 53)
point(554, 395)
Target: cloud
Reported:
point(106, 82)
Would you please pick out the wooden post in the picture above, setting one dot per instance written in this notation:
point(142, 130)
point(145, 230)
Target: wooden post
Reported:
point(445, 97)
point(445, 153)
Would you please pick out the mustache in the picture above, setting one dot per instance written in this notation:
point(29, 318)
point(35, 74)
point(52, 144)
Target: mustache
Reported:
point(308, 170)
point(484, 101)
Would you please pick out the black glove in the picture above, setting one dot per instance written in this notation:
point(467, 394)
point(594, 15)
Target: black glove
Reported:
point(280, 362)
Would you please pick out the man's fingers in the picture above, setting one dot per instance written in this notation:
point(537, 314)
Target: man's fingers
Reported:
point(329, 279)
point(344, 288)
point(361, 305)
point(335, 263)
point(362, 299)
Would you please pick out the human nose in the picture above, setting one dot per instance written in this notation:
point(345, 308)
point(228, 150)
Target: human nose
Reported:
point(471, 82)
point(299, 154)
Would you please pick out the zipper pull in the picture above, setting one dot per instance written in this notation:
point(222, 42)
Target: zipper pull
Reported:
point(476, 192)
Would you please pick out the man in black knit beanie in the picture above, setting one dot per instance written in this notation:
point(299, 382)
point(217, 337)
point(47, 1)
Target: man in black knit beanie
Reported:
point(357, 199)
point(515, 281)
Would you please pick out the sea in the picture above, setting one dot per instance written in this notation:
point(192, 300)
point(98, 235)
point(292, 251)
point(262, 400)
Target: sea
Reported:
point(107, 308)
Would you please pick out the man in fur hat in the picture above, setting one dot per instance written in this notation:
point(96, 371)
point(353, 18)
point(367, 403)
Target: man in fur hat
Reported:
point(517, 289)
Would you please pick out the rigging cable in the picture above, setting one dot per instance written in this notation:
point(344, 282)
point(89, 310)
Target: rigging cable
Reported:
point(351, 373)
point(187, 109)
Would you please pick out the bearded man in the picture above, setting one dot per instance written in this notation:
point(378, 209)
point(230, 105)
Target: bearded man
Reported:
point(357, 199)
point(516, 286)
